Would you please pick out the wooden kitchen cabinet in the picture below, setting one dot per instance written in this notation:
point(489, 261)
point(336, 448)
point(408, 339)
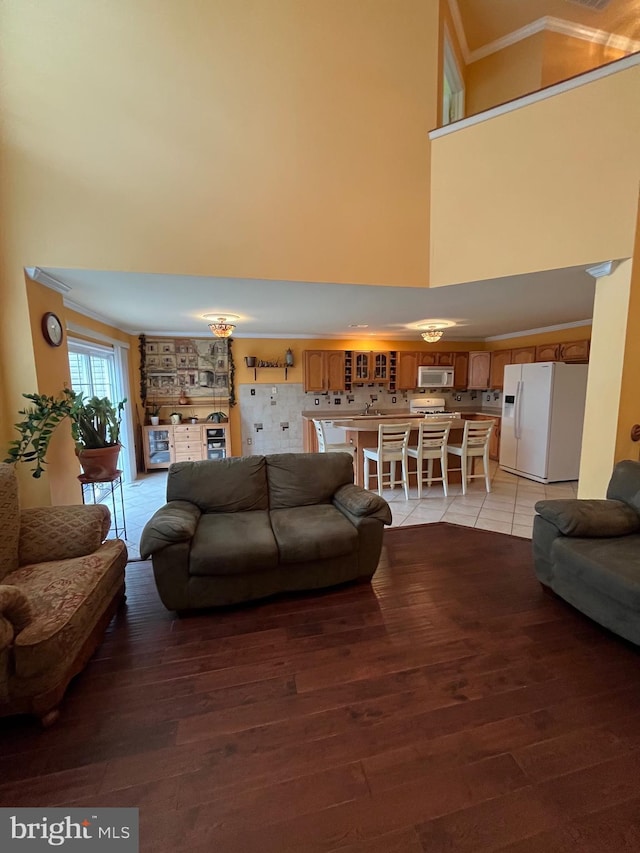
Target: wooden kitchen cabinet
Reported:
point(460, 370)
point(571, 351)
point(324, 370)
point(407, 370)
point(441, 359)
point(523, 355)
point(380, 366)
point(371, 366)
point(479, 370)
point(547, 352)
point(499, 360)
point(494, 438)
point(575, 351)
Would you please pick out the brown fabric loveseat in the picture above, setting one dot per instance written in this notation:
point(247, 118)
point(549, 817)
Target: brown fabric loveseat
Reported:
point(240, 529)
point(60, 584)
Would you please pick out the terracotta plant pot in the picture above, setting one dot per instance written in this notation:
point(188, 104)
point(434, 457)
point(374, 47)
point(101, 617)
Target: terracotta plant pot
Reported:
point(101, 463)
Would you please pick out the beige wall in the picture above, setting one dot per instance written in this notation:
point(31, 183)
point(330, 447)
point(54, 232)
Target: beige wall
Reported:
point(550, 186)
point(565, 57)
point(282, 139)
point(506, 74)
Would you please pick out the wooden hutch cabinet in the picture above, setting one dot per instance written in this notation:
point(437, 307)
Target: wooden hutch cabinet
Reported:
point(170, 443)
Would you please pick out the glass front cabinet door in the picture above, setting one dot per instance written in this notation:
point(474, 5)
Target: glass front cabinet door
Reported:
point(157, 447)
point(215, 442)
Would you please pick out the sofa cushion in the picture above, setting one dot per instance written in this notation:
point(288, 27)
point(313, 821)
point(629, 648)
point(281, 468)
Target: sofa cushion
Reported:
point(66, 599)
point(233, 543)
point(303, 479)
point(609, 565)
point(579, 517)
point(318, 532)
point(220, 485)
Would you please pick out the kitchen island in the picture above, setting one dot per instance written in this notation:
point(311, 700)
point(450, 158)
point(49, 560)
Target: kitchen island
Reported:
point(362, 431)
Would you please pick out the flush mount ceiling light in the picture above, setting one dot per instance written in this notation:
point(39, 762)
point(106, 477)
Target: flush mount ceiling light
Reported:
point(434, 329)
point(221, 326)
point(432, 335)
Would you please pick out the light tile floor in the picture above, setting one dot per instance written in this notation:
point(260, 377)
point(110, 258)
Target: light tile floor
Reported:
point(507, 508)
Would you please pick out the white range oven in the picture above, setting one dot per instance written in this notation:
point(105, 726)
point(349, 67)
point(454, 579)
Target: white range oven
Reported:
point(433, 408)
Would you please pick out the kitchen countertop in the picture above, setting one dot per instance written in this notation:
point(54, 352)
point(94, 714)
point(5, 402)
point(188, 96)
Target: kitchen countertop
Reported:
point(397, 414)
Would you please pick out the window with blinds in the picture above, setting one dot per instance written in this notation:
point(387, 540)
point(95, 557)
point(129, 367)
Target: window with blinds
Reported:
point(92, 370)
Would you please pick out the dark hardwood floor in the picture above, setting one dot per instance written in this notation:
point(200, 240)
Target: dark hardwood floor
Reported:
point(449, 706)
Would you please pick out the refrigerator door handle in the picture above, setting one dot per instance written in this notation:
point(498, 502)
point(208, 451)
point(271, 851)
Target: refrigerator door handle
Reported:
point(518, 408)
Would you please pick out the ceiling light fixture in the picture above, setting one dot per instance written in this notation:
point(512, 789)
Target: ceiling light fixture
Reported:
point(432, 335)
point(221, 327)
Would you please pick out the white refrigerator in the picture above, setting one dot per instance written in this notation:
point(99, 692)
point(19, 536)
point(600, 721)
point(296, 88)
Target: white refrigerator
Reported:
point(542, 418)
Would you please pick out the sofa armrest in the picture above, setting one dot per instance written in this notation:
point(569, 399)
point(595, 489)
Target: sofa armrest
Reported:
point(362, 503)
point(590, 518)
point(172, 523)
point(15, 613)
point(61, 532)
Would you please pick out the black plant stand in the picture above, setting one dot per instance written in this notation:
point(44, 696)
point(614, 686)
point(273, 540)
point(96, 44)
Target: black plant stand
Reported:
point(114, 490)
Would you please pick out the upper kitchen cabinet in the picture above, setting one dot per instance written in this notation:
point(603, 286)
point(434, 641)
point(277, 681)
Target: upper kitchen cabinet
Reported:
point(479, 370)
point(371, 367)
point(499, 359)
point(576, 351)
point(460, 370)
point(381, 366)
point(523, 355)
point(324, 370)
point(407, 370)
point(444, 359)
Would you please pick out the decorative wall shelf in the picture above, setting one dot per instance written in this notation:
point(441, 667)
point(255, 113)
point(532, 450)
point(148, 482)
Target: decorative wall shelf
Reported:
point(261, 364)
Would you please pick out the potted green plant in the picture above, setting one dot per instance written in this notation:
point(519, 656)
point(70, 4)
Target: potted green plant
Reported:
point(95, 427)
point(154, 413)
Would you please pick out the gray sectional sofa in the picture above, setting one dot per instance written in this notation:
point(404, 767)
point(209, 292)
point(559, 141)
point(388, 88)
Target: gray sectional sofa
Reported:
point(588, 552)
point(240, 529)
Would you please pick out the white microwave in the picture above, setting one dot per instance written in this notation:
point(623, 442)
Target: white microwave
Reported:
point(435, 377)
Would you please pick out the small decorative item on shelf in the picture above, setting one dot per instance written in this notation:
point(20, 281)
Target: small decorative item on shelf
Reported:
point(154, 413)
point(288, 358)
point(217, 417)
point(193, 417)
point(183, 400)
point(250, 360)
point(175, 417)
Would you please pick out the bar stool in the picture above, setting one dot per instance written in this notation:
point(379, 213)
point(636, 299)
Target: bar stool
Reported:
point(393, 440)
point(325, 446)
point(432, 444)
point(475, 443)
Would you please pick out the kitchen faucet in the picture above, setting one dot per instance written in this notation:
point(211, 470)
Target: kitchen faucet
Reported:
point(367, 406)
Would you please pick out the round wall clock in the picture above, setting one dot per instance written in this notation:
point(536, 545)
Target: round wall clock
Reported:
point(52, 329)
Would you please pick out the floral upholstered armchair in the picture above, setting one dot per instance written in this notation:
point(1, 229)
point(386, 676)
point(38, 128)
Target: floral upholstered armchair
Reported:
point(60, 584)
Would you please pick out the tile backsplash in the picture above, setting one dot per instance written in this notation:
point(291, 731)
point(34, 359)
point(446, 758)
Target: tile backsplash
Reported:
point(271, 414)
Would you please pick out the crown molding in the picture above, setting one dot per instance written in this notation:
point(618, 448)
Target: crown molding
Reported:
point(590, 34)
point(547, 23)
point(527, 332)
point(77, 329)
point(42, 277)
point(93, 315)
